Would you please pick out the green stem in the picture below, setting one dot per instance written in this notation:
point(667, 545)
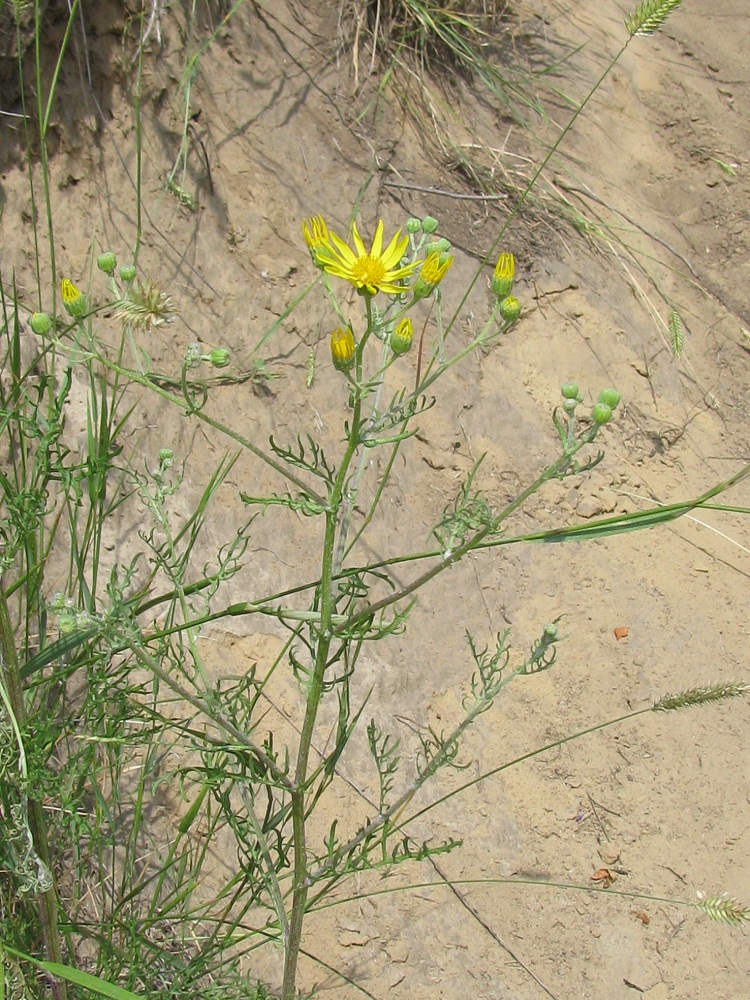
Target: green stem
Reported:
point(138, 151)
point(315, 690)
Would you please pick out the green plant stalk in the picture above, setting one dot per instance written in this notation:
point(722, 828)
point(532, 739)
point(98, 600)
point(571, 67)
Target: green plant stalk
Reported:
point(47, 900)
point(138, 150)
point(315, 691)
point(597, 727)
point(44, 116)
point(29, 166)
point(540, 883)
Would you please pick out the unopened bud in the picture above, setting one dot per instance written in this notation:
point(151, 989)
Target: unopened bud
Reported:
point(220, 357)
point(432, 272)
point(107, 262)
point(73, 299)
point(601, 413)
point(40, 323)
point(439, 246)
point(343, 349)
point(510, 309)
point(402, 336)
point(502, 277)
point(611, 397)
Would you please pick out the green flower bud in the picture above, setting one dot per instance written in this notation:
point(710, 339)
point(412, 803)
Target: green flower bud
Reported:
point(413, 226)
point(510, 309)
point(40, 323)
point(570, 391)
point(107, 262)
point(220, 357)
point(343, 349)
point(165, 456)
point(127, 273)
point(73, 299)
point(601, 413)
point(402, 336)
point(440, 246)
point(429, 225)
point(611, 397)
point(569, 405)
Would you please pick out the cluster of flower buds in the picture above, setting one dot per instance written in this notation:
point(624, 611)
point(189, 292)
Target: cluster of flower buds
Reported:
point(602, 410)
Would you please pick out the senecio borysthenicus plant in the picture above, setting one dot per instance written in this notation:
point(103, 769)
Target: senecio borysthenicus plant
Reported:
point(391, 279)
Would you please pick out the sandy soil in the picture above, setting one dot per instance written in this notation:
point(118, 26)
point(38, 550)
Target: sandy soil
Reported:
point(662, 799)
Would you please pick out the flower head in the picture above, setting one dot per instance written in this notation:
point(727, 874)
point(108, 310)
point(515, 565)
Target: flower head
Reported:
point(402, 336)
point(220, 357)
point(73, 299)
point(107, 262)
point(317, 238)
point(502, 279)
point(434, 269)
point(370, 271)
point(343, 349)
point(510, 309)
point(40, 323)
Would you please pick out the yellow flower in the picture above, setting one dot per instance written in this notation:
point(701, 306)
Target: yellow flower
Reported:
point(402, 336)
point(317, 238)
point(372, 271)
point(434, 269)
point(73, 299)
point(343, 349)
point(502, 279)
